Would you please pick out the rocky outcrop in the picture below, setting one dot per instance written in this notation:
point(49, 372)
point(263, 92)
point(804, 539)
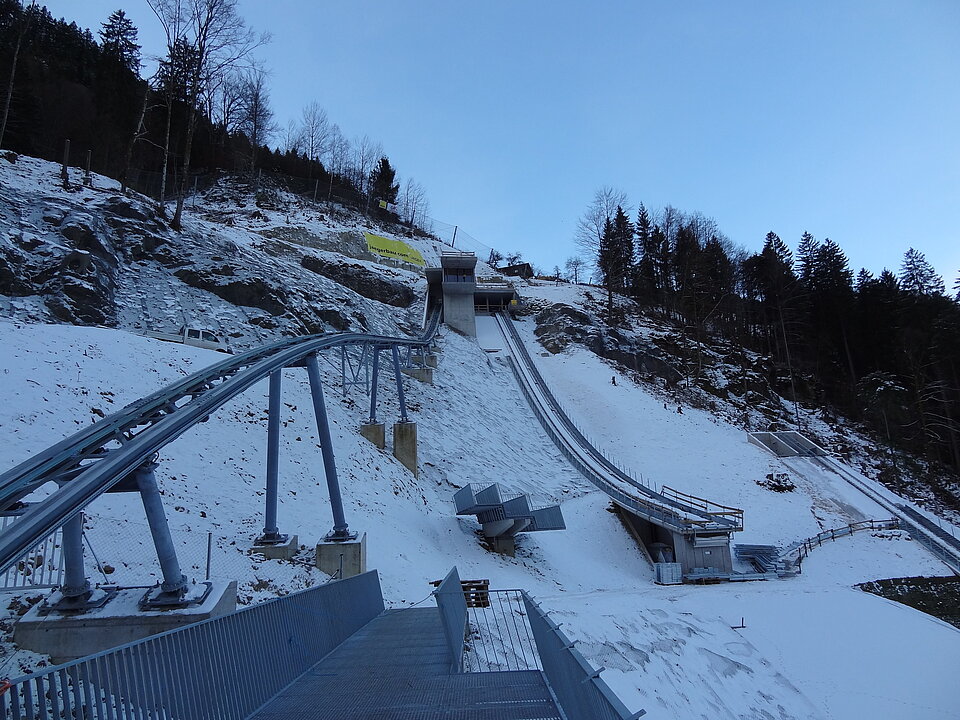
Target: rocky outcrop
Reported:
point(560, 325)
point(361, 280)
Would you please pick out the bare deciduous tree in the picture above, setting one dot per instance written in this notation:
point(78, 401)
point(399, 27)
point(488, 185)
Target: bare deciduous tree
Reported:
point(25, 16)
point(413, 203)
point(256, 117)
point(338, 152)
point(575, 265)
point(589, 232)
point(366, 153)
point(219, 40)
point(317, 132)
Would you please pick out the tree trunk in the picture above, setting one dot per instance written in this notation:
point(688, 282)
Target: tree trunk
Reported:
point(161, 205)
point(133, 141)
point(185, 177)
point(13, 72)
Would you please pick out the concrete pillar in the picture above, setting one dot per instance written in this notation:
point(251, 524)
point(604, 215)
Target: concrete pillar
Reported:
point(405, 445)
point(504, 545)
point(375, 433)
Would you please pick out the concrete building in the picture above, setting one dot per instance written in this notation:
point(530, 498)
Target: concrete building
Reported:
point(455, 284)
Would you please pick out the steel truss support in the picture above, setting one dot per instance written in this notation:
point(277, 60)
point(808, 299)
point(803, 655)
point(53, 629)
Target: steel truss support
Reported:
point(373, 386)
point(355, 371)
point(340, 529)
point(399, 378)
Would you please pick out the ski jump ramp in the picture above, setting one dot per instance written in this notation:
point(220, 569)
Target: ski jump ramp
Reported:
point(695, 531)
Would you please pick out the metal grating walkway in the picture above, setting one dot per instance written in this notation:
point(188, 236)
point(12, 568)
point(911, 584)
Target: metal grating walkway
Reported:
point(396, 668)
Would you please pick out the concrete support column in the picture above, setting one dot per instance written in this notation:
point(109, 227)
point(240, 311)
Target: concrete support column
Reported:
point(174, 581)
point(75, 583)
point(340, 528)
point(405, 444)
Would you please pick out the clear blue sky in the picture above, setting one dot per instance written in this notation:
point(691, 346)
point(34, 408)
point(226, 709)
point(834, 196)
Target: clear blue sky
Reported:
point(841, 118)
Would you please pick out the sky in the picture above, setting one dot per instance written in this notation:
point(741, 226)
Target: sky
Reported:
point(837, 118)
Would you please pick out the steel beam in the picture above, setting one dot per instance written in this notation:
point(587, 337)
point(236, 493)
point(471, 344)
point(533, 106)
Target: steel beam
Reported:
point(271, 533)
point(373, 386)
point(75, 583)
point(174, 581)
point(340, 529)
point(399, 378)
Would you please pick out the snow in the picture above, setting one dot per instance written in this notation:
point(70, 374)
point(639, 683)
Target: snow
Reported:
point(811, 646)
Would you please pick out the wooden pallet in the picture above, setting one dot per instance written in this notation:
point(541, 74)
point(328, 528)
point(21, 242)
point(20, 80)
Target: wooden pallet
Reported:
point(475, 592)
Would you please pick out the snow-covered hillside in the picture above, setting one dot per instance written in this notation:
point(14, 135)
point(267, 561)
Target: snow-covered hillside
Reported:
point(809, 647)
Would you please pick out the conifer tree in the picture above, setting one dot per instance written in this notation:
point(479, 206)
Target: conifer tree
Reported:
point(917, 276)
point(382, 181)
point(118, 41)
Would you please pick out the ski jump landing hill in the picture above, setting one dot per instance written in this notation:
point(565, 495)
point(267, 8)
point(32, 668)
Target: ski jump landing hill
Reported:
point(671, 526)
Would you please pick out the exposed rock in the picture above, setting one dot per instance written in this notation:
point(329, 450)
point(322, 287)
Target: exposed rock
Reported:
point(251, 292)
point(361, 280)
point(560, 325)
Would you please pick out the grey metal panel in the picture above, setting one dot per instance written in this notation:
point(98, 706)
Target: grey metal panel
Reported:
point(517, 507)
point(465, 500)
point(453, 614)
point(548, 518)
point(489, 495)
point(582, 693)
point(216, 668)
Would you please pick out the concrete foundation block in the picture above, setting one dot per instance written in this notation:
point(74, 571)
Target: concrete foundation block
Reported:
point(120, 621)
point(375, 433)
point(279, 551)
point(405, 445)
point(505, 545)
point(424, 375)
point(430, 360)
point(351, 553)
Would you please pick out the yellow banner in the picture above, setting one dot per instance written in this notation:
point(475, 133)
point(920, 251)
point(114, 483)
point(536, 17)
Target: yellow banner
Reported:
point(396, 249)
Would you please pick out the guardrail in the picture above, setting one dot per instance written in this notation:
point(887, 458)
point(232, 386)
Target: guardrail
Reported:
point(684, 512)
point(225, 667)
point(582, 693)
point(803, 548)
point(500, 635)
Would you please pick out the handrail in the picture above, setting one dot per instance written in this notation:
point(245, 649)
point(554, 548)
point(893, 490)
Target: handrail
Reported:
point(235, 375)
point(684, 511)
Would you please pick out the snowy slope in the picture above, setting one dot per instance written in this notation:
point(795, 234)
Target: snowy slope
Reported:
point(670, 650)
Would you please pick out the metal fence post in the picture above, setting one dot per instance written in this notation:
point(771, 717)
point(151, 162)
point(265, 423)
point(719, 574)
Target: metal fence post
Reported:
point(340, 528)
